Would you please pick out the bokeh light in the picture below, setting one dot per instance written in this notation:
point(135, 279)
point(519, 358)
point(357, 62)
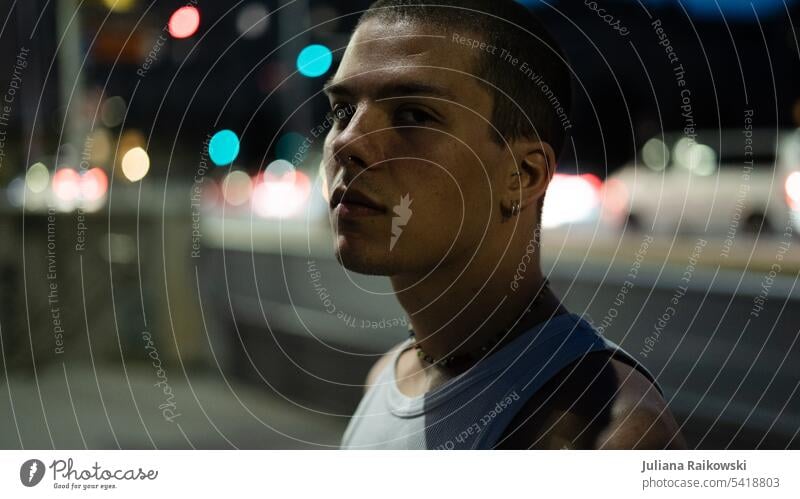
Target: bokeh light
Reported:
point(66, 184)
point(119, 5)
point(113, 111)
point(793, 190)
point(281, 195)
point(279, 169)
point(655, 154)
point(699, 159)
point(252, 20)
point(135, 164)
point(184, 22)
point(224, 147)
point(237, 187)
point(570, 199)
point(314, 60)
point(615, 197)
point(16, 191)
point(37, 178)
point(94, 184)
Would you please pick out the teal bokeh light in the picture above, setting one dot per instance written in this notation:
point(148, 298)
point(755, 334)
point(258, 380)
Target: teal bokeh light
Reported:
point(224, 147)
point(314, 60)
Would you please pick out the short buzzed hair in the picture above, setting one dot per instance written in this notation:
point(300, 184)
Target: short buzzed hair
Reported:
point(527, 104)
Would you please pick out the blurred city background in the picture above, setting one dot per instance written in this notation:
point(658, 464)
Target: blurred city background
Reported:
point(166, 269)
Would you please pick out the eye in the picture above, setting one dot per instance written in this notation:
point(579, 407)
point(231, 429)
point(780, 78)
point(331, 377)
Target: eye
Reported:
point(412, 116)
point(340, 112)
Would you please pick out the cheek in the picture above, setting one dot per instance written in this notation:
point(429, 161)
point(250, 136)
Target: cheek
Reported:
point(448, 207)
point(326, 159)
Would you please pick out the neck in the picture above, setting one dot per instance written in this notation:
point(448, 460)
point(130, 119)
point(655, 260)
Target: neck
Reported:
point(454, 311)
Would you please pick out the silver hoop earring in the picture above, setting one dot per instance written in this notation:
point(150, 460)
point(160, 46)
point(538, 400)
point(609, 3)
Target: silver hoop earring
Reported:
point(515, 209)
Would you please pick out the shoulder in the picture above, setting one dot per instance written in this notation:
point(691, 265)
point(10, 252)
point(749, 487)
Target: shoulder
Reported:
point(597, 402)
point(640, 417)
point(381, 364)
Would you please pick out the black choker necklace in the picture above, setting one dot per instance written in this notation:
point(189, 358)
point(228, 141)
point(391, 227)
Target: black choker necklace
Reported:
point(499, 338)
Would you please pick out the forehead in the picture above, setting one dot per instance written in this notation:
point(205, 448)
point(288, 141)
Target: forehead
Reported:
point(383, 54)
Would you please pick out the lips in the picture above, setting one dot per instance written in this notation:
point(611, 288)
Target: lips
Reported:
point(351, 196)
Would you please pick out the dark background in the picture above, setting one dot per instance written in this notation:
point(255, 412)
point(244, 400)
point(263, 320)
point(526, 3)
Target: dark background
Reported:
point(251, 355)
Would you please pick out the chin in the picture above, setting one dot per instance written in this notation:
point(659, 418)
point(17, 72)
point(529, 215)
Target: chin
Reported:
point(363, 257)
point(372, 258)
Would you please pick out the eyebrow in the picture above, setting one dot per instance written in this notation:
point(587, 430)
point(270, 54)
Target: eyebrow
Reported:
point(398, 89)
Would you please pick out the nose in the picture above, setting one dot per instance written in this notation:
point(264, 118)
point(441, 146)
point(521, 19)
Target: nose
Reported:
point(360, 141)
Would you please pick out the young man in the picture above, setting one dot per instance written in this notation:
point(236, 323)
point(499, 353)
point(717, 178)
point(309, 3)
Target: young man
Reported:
point(447, 122)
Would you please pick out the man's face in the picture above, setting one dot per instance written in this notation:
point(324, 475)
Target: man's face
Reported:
point(413, 135)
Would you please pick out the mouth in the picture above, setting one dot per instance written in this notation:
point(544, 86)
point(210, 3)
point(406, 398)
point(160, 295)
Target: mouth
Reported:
point(350, 202)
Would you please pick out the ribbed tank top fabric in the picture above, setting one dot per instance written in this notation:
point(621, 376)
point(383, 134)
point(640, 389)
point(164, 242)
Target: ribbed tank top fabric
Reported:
point(472, 410)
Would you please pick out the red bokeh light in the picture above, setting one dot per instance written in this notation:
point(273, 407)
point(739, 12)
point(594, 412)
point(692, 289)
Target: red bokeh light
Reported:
point(94, 184)
point(66, 184)
point(184, 22)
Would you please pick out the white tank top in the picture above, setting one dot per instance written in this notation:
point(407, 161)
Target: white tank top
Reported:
point(473, 409)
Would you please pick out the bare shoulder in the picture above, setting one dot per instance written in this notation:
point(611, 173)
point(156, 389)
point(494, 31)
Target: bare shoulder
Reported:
point(598, 402)
point(640, 417)
point(380, 365)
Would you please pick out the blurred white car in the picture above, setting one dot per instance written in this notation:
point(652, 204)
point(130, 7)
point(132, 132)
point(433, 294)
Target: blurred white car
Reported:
point(571, 200)
point(722, 181)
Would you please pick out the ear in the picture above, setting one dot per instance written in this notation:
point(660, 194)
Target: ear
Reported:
point(529, 174)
